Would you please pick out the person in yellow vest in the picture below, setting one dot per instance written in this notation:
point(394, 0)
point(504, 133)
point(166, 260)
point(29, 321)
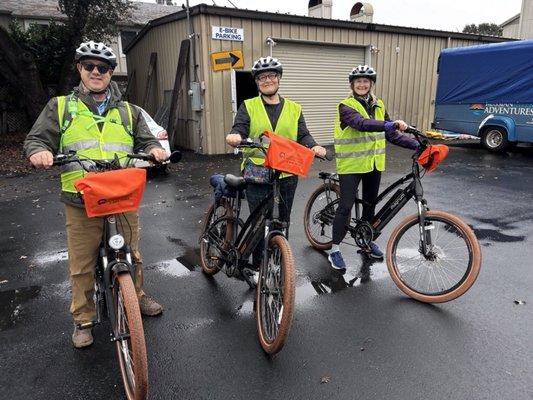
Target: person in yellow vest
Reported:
point(281, 115)
point(96, 123)
point(361, 127)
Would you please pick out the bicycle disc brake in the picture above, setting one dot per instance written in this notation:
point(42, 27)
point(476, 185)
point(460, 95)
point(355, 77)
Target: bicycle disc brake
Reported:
point(363, 234)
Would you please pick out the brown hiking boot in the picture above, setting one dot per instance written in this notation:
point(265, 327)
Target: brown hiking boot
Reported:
point(149, 306)
point(82, 338)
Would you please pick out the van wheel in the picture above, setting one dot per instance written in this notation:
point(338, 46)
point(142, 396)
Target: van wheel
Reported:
point(494, 139)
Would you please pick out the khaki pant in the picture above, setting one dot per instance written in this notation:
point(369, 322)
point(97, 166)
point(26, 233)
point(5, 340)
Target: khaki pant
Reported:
point(83, 239)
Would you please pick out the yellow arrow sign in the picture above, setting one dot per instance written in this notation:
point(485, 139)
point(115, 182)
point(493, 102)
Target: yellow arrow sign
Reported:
point(227, 59)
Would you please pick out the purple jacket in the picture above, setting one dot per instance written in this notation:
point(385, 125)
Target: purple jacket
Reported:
point(350, 117)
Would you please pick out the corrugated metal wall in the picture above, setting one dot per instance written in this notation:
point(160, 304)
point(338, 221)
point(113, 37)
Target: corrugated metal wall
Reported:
point(317, 78)
point(406, 64)
point(165, 40)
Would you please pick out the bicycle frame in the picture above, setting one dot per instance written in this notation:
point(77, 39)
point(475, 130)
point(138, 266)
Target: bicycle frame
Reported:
point(109, 262)
point(262, 224)
point(398, 200)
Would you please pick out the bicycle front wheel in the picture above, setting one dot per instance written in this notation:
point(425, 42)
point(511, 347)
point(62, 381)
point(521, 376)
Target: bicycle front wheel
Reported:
point(452, 262)
point(217, 231)
point(130, 343)
point(275, 296)
point(318, 216)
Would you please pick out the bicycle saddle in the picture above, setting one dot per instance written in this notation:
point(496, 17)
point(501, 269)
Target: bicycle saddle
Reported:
point(324, 175)
point(236, 182)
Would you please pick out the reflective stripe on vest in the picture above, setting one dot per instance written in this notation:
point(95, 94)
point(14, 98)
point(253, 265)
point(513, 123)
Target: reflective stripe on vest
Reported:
point(286, 126)
point(81, 133)
point(358, 152)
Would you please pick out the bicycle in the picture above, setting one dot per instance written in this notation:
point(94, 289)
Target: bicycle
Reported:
point(421, 263)
point(227, 242)
point(114, 290)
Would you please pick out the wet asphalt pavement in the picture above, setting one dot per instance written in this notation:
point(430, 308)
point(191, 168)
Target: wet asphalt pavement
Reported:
point(353, 337)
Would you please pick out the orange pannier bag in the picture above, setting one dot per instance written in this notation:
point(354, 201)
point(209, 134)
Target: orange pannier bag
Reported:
point(432, 156)
point(112, 192)
point(287, 155)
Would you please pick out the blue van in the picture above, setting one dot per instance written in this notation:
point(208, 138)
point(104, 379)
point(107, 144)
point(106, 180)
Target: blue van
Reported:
point(487, 91)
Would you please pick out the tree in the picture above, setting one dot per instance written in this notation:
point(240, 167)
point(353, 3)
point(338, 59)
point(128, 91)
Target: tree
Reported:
point(484, 29)
point(46, 54)
point(95, 19)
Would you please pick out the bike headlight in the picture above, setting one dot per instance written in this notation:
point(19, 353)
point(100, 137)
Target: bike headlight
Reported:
point(116, 242)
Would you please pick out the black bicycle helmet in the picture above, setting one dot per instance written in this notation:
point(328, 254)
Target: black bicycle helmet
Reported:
point(97, 50)
point(363, 71)
point(267, 64)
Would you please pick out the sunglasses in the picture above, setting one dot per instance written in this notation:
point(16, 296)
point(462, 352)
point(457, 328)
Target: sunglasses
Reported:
point(102, 68)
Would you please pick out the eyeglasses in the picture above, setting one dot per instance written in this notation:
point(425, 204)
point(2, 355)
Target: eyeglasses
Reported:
point(102, 68)
point(263, 78)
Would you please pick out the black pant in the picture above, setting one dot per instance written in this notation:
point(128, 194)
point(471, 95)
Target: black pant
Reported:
point(255, 193)
point(349, 184)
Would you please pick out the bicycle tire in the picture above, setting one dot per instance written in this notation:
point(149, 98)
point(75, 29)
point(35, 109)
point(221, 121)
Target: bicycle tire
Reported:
point(272, 338)
point(319, 243)
point(135, 365)
point(440, 270)
point(210, 267)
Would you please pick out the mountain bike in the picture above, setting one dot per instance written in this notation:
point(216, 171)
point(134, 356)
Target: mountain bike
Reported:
point(114, 290)
point(227, 242)
point(432, 256)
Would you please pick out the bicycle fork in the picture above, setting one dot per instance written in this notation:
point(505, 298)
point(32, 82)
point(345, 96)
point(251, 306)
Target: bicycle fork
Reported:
point(424, 228)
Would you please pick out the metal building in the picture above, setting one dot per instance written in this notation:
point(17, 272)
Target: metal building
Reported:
point(317, 54)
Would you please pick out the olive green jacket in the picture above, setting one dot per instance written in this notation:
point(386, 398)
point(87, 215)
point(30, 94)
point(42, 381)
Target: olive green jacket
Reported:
point(45, 132)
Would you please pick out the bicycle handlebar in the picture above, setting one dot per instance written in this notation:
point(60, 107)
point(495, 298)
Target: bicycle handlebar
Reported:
point(250, 143)
point(98, 165)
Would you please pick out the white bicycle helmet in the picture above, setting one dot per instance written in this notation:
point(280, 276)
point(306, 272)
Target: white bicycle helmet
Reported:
point(363, 71)
point(267, 64)
point(98, 50)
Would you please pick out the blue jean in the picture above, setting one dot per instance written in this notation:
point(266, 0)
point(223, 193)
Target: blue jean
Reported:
point(255, 193)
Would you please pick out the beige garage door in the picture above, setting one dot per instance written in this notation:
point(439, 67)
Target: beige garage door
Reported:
point(316, 76)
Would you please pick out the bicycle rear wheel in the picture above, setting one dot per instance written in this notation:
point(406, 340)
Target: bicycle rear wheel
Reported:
point(452, 264)
point(218, 230)
point(130, 345)
point(275, 296)
point(318, 216)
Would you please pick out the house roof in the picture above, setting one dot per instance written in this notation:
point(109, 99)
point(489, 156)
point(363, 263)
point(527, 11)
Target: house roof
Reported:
point(304, 20)
point(48, 9)
point(510, 20)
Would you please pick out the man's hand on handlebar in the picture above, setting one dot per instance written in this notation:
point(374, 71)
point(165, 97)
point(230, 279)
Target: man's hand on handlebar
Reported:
point(42, 159)
point(159, 154)
point(233, 139)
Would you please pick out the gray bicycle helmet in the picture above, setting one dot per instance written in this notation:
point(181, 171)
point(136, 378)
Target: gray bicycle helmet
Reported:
point(363, 71)
point(267, 64)
point(98, 50)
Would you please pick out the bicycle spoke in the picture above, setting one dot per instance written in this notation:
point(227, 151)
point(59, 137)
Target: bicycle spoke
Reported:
point(444, 265)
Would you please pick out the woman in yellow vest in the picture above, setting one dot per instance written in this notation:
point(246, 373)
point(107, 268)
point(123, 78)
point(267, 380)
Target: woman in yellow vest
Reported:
point(361, 127)
point(269, 111)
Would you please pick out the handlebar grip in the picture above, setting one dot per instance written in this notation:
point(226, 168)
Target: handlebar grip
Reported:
point(60, 159)
point(413, 130)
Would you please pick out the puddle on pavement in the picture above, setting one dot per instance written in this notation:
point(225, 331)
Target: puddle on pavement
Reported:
point(50, 257)
point(173, 267)
point(11, 304)
point(494, 235)
point(334, 281)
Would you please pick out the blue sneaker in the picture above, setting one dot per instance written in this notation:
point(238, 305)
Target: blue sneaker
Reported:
point(336, 260)
point(375, 251)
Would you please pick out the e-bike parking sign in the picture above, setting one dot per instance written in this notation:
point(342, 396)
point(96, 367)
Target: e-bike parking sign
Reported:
point(227, 33)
